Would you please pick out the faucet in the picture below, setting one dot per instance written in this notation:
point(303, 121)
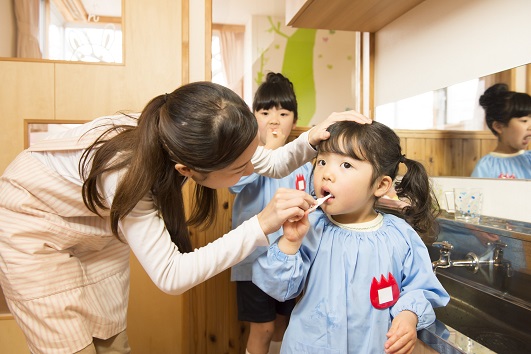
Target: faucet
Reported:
point(497, 257)
point(471, 259)
point(445, 261)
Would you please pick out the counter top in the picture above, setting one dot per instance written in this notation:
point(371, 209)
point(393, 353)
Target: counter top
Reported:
point(446, 340)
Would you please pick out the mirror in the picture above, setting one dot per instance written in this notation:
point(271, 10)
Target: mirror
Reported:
point(70, 30)
point(450, 108)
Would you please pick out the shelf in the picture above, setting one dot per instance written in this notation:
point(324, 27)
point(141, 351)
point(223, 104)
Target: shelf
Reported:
point(350, 15)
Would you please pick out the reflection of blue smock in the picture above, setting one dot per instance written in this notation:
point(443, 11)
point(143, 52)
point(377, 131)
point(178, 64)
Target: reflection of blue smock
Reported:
point(496, 165)
point(335, 268)
point(254, 193)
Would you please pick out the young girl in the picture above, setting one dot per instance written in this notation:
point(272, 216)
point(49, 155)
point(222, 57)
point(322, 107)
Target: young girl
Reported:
point(275, 108)
point(366, 277)
point(72, 206)
point(508, 116)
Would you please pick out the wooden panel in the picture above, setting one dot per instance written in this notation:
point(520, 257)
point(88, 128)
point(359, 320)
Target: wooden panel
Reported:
point(214, 327)
point(487, 145)
point(154, 318)
point(350, 15)
point(26, 91)
point(471, 155)
point(12, 340)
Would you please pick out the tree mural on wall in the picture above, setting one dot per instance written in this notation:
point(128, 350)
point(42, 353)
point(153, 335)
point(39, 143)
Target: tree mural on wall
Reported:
point(319, 63)
point(298, 67)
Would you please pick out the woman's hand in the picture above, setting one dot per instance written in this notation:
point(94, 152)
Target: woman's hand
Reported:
point(319, 133)
point(402, 336)
point(286, 204)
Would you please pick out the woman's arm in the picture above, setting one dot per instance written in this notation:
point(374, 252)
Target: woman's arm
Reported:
point(175, 272)
point(282, 161)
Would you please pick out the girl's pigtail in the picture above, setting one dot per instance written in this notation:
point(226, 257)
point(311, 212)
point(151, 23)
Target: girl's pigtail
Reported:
point(423, 209)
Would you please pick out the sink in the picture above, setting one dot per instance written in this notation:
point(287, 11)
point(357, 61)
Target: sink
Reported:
point(498, 322)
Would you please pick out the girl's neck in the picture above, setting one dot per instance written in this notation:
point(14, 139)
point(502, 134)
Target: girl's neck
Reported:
point(505, 149)
point(371, 225)
point(356, 218)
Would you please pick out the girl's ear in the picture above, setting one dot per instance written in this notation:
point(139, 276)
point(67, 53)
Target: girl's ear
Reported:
point(183, 170)
point(497, 126)
point(383, 186)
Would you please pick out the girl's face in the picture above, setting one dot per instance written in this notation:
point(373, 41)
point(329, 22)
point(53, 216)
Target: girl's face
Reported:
point(228, 176)
point(274, 123)
point(514, 136)
point(349, 181)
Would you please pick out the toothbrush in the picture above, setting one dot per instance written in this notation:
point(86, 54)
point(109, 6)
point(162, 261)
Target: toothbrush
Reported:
point(319, 202)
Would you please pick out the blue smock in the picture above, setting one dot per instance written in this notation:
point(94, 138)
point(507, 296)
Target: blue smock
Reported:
point(496, 165)
point(253, 194)
point(334, 268)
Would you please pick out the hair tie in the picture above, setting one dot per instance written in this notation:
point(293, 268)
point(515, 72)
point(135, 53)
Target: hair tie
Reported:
point(402, 159)
point(165, 97)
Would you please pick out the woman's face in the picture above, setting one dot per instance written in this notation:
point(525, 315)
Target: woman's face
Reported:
point(516, 135)
point(230, 175)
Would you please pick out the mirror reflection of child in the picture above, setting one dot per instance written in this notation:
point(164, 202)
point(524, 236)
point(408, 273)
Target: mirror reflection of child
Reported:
point(508, 116)
point(366, 278)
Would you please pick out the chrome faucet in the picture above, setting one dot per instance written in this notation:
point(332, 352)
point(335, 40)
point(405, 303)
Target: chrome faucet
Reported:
point(445, 260)
point(471, 259)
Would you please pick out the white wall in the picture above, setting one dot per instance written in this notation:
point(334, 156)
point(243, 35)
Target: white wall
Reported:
point(507, 199)
point(440, 43)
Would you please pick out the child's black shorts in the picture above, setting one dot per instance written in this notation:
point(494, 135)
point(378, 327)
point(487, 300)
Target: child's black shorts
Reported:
point(256, 306)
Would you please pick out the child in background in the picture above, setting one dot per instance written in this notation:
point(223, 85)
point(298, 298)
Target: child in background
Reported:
point(366, 277)
point(508, 116)
point(275, 108)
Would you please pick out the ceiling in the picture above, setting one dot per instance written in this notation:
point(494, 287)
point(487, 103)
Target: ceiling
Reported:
point(237, 12)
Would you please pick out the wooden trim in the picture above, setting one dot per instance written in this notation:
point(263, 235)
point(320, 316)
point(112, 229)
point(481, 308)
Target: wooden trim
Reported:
point(185, 28)
point(27, 122)
point(367, 74)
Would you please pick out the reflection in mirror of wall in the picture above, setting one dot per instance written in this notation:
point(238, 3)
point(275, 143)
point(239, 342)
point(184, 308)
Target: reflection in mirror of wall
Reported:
point(72, 30)
point(455, 107)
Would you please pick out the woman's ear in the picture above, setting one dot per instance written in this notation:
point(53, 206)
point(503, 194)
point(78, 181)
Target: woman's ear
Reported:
point(183, 170)
point(383, 187)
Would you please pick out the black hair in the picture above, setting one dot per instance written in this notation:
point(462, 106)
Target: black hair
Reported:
point(277, 91)
point(380, 146)
point(502, 105)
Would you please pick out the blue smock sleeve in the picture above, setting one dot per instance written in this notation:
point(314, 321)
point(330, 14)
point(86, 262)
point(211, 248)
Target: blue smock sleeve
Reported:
point(283, 276)
point(421, 291)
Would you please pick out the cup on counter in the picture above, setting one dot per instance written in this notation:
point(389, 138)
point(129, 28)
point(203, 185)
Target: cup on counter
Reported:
point(468, 203)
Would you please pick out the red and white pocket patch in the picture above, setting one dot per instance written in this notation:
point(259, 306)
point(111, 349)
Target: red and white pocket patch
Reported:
point(384, 293)
point(300, 183)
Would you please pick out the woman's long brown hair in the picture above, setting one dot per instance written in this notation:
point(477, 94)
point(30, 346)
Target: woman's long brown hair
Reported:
point(202, 125)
